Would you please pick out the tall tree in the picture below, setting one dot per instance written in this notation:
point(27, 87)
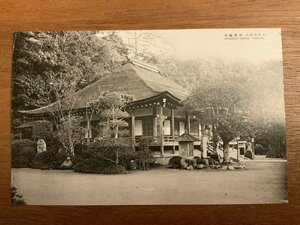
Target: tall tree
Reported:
point(219, 104)
point(41, 58)
point(110, 106)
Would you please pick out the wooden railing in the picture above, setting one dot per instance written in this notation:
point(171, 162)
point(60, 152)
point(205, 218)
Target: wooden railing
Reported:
point(157, 138)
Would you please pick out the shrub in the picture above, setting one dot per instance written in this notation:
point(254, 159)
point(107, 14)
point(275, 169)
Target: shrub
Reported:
point(183, 164)
point(23, 152)
point(211, 161)
point(145, 155)
point(199, 160)
point(16, 199)
point(49, 159)
point(249, 154)
point(20, 162)
point(260, 150)
point(103, 154)
point(18, 146)
point(92, 166)
point(114, 169)
point(215, 157)
point(28, 152)
point(80, 150)
point(174, 162)
point(144, 143)
point(41, 160)
point(57, 157)
point(126, 158)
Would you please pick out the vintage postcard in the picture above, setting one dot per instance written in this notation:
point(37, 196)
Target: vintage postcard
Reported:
point(148, 117)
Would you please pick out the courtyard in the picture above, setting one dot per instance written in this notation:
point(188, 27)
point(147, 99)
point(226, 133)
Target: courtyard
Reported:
point(263, 181)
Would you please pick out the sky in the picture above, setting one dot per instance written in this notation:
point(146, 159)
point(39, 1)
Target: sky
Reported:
point(251, 45)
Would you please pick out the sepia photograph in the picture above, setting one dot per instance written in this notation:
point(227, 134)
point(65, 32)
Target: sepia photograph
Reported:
point(148, 117)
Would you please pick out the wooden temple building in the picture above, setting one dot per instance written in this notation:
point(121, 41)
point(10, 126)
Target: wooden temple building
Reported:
point(156, 111)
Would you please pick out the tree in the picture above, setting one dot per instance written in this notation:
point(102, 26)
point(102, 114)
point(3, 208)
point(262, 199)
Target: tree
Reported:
point(110, 107)
point(75, 59)
point(51, 66)
point(219, 104)
point(70, 133)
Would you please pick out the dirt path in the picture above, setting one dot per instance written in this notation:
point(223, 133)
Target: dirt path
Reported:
point(263, 182)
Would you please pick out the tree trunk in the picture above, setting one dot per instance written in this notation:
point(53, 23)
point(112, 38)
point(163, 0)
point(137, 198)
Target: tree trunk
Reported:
point(117, 158)
point(226, 151)
point(215, 140)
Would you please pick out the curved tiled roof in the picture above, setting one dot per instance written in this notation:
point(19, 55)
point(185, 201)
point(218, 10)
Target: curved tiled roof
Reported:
point(133, 78)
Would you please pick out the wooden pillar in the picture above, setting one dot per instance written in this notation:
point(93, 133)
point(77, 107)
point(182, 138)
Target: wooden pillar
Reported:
point(173, 128)
point(132, 129)
point(199, 130)
point(204, 141)
point(161, 126)
point(237, 151)
point(188, 124)
point(154, 123)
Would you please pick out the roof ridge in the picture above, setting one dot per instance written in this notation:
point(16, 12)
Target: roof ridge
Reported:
point(145, 65)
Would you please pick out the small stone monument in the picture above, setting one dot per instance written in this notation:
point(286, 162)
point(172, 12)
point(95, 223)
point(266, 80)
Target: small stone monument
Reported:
point(186, 145)
point(41, 146)
point(67, 163)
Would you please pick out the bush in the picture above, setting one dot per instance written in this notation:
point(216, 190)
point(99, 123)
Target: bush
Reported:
point(249, 154)
point(174, 162)
point(49, 159)
point(144, 143)
point(19, 145)
point(92, 166)
point(28, 152)
point(181, 162)
point(23, 152)
point(16, 199)
point(145, 155)
point(57, 157)
point(260, 150)
point(126, 158)
point(41, 160)
point(114, 169)
point(200, 161)
point(80, 150)
point(215, 156)
point(20, 162)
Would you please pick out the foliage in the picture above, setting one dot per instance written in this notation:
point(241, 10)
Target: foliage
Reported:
point(42, 130)
point(37, 55)
point(49, 66)
point(23, 152)
point(18, 145)
point(260, 150)
point(249, 154)
point(271, 135)
point(220, 104)
point(16, 199)
point(50, 159)
point(114, 169)
point(110, 107)
point(92, 165)
point(109, 149)
point(70, 132)
point(144, 143)
point(199, 160)
point(20, 162)
point(128, 159)
point(41, 160)
point(95, 157)
point(174, 162)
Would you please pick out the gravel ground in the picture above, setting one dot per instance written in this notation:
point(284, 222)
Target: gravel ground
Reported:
point(264, 182)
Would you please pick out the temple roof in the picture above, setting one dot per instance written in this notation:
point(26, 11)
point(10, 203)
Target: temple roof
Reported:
point(134, 78)
point(187, 138)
